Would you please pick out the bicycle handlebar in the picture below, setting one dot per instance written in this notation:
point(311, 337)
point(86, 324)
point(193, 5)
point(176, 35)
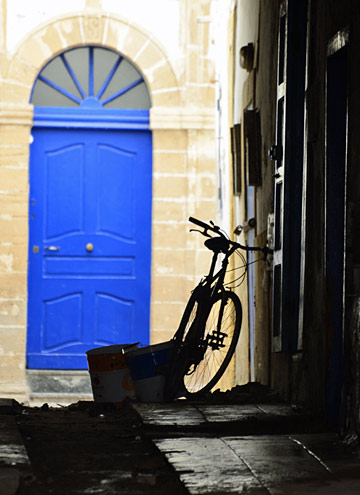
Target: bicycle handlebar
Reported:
point(205, 226)
point(265, 250)
point(199, 223)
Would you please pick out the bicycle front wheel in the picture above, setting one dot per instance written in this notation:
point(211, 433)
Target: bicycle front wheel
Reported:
point(221, 334)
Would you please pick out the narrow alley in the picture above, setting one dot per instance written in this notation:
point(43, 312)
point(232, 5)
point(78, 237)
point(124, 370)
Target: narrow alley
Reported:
point(120, 121)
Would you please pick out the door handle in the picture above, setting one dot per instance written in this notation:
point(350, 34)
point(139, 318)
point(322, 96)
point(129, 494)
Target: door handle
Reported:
point(52, 248)
point(89, 247)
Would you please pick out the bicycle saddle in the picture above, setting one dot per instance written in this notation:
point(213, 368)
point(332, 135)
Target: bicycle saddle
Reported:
point(217, 244)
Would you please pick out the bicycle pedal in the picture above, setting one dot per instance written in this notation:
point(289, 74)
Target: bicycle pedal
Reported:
point(216, 339)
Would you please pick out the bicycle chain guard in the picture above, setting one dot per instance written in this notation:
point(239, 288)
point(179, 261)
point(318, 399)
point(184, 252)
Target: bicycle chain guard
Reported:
point(215, 340)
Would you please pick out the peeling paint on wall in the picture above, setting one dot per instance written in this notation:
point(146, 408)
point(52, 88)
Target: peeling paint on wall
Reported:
point(6, 262)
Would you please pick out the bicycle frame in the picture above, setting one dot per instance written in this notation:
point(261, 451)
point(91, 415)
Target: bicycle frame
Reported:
point(207, 290)
point(220, 275)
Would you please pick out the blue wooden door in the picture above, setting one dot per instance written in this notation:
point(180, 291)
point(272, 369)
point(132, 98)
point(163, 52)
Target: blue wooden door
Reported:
point(89, 243)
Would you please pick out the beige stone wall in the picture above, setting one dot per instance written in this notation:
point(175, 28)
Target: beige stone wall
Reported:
point(184, 185)
point(184, 174)
point(14, 155)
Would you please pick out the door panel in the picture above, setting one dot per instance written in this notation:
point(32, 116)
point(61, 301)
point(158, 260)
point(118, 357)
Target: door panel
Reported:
point(66, 330)
point(116, 193)
point(90, 243)
point(63, 191)
point(109, 311)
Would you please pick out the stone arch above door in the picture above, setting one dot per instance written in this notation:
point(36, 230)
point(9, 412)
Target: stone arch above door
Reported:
point(51, 39)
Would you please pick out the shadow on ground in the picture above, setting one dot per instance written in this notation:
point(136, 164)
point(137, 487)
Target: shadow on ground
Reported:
point(88, 448)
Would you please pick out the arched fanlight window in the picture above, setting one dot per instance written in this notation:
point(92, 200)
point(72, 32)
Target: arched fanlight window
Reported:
point(90, 77)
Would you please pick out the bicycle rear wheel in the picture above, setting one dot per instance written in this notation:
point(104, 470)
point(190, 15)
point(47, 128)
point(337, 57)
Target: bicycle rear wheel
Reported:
point(178, 366)
point(221, 334)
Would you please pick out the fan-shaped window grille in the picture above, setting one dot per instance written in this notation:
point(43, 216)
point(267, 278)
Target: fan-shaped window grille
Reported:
point(90, 77)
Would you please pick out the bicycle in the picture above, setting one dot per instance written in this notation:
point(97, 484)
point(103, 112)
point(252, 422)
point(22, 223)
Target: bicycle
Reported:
point(210, 326)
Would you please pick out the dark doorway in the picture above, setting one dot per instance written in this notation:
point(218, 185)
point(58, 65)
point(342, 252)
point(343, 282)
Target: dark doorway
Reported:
point(336, 147)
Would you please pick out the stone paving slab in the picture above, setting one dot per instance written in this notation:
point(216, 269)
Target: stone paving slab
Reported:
point(169, 414)
point(226, 413)
point(15, 467)
point(8, 406)
point(208, 466)
point(184, 413)
point(242, 419)
point(275, 465)
point(340, 459)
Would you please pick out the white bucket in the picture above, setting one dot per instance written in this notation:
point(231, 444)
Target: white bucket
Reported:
point(110, 376)
point(148, 367)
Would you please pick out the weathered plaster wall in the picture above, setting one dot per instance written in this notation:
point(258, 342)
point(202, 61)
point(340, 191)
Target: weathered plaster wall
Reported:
point(265, 90)
point(245, 96)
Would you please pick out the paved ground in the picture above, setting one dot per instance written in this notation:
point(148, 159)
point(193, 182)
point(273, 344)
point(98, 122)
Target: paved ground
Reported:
point(258, 449)
point(239, 443)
